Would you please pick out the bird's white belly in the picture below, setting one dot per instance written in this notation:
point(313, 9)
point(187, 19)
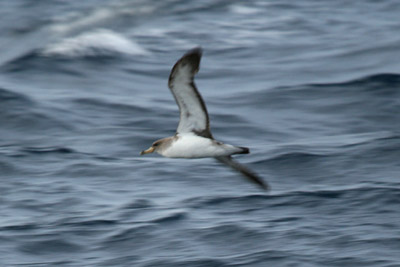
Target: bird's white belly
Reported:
point(193, 146)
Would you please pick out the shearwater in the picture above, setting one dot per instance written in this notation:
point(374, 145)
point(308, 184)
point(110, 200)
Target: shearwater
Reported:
point(193, 138)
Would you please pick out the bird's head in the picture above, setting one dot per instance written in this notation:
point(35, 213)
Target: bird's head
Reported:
point(157, 146)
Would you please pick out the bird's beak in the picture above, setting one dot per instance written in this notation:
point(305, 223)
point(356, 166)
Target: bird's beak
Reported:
point(147, 151)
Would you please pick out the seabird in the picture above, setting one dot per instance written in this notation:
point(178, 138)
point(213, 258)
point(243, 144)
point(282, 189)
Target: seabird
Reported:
point(193, 138)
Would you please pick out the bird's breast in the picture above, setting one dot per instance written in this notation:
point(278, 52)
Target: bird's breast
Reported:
point(193, 146)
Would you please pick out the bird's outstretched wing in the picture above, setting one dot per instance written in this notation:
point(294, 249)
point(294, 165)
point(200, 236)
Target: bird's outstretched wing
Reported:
point(243, 170)
point(193, 111)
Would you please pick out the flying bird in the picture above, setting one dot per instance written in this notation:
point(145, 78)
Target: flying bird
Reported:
point(193, 138)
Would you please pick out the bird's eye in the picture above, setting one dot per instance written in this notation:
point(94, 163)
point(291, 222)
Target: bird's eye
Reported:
point(155, 144)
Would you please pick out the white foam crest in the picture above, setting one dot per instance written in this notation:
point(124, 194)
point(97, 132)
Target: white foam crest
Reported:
point(73, 21)
point(79, 21)
point(244, 10)
point(94, 43)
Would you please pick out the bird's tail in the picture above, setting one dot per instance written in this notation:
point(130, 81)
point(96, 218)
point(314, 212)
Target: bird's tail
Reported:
point(244, 150)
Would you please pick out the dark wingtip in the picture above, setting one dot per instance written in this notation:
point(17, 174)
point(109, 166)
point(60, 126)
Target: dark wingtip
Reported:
point(191, 57)
point(246, 172)
point(265, 186)
point(195, 51)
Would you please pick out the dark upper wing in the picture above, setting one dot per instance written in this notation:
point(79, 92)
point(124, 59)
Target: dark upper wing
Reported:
point(243, 170)
point(193, 111)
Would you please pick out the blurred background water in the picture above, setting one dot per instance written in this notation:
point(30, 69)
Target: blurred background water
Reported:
point(312, 87)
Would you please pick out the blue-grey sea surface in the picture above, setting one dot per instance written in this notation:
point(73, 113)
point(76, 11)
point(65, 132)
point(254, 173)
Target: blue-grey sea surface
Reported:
point(311, 87)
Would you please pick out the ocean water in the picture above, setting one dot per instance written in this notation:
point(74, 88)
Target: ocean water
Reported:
point(311, 87)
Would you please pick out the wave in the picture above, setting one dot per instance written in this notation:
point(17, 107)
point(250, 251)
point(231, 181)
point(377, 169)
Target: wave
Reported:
point(331, 146)
point(20, 112)
point(380, 80)
point(88, 169)
point(363, 105)
point(90, 223)
point(95, 45)
point(20, 227)
point(13, 100)
point(105, 106)
point(30, 122)
point(6, 168)
point(49, 246)
point(354, 197)
point(123, 115)
point(292, 157)
point(132, 235)
point(34, 61)
point(139, 204)
point(220, 232)
point(116, 13)
point(199, 262)
point(381, 84)
point(48, 150)
point(378, 144)
point(99, 42)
